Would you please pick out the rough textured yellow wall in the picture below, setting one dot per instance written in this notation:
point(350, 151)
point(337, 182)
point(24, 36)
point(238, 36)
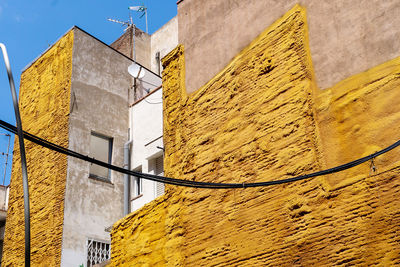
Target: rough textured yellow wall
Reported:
point(44, 105)
point(263, 118)
point(360, 116)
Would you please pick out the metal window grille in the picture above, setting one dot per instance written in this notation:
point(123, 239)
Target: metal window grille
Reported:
point(97, 252)
point(159, 170)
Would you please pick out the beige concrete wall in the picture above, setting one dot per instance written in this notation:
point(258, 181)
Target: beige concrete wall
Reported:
point(346, 37)
point(163, 40)
point(99, 103)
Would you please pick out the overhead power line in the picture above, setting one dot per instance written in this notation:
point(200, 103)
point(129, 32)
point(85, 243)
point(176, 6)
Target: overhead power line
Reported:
point(188, 183)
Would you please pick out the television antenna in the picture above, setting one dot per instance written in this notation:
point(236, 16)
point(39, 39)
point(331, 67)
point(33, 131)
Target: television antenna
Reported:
point(129, 24)
point(143, 10)
point(126, 23)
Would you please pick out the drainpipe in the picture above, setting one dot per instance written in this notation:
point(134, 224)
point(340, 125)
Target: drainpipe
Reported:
point(127, 181)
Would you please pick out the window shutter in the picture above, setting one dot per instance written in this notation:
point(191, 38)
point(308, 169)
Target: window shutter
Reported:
point(159, 170)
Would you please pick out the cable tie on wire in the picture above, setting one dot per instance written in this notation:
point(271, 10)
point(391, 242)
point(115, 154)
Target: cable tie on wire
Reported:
point(373, 168)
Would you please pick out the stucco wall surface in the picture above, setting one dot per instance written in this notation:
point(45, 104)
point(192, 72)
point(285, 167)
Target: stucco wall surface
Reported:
point(263, 118)
point(44, 105)
point(164, 41)
point(346, 37)
point(99, 103)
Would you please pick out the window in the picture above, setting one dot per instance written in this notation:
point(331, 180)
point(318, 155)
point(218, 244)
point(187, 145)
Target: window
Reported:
point(136, 184)
point(100, 149)
point(157, 166)
point(97, 252)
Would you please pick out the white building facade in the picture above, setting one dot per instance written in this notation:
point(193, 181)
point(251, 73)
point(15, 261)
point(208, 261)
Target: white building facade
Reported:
point(146, 121)
point(147, 147)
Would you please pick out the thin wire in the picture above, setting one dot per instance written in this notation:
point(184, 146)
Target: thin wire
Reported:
point(149, 83)
point(196, 184)
point(152, 103)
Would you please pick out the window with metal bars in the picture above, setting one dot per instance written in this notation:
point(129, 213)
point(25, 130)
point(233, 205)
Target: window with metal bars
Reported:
point(97, 252)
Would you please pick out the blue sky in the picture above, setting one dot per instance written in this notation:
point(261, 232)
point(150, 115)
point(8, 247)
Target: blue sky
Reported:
point(28, 27)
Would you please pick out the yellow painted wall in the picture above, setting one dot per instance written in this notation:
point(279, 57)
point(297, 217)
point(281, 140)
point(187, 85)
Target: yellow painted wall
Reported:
point(44, 105)
point(359, 116)
point(263, 118)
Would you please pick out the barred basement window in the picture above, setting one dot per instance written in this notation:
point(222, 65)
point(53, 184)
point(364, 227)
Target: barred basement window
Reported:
point(97, 252)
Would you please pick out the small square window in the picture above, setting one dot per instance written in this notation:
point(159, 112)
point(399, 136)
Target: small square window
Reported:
point(100, 149)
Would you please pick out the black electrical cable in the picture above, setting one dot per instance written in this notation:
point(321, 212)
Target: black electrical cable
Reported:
point(68, 152)
point(188, 183)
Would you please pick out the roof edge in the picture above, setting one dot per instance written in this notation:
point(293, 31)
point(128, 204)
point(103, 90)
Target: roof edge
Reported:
point(47, 49)
point(94, 37)
point(76, 27)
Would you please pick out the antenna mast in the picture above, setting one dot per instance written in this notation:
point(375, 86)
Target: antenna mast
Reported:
point(143, 9)
point(129, 24)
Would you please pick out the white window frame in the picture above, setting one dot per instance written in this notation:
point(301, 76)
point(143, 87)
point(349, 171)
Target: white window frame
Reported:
point(137, 185)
